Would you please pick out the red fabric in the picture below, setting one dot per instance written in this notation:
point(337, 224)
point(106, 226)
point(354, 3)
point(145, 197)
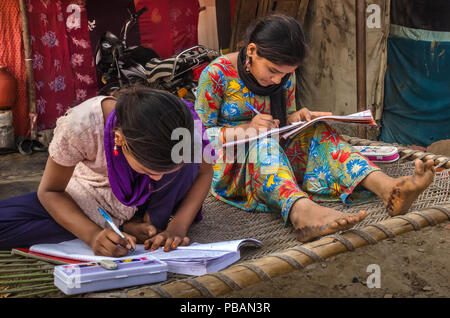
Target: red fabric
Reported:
point(58, 77)
point(81, 56)
point(197, 71)
point(12, 56)
point(232, 10)
point(168, 27)
point(184, 21)
point(55, 88)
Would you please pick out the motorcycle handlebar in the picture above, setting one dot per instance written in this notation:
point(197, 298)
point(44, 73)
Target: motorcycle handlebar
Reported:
point(130, 23)
point(141, 12)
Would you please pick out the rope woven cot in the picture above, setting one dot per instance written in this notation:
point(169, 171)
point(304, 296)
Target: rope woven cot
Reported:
point(227, 280)
point(385, 229)
point(224, 222)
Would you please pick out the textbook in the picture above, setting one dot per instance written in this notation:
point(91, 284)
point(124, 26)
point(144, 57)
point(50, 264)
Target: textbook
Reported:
point(290, 131)
point(200, 259)
point(194, 259)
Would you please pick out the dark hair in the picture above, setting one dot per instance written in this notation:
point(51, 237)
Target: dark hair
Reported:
point(146, 118)
point(279, 38)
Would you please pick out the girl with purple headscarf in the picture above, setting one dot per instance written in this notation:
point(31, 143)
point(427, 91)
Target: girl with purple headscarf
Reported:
point(116, 154)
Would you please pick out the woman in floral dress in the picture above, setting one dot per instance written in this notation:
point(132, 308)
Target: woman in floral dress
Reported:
point(252, 91)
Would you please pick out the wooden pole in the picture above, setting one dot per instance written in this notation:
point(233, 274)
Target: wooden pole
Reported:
point(426, 156)
point(361, 60)
point(302, 9)
point(29, 70)
point(234, 28)
point(403, 151)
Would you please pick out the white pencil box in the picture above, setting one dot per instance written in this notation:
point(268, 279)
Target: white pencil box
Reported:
point(381, 154)
point(89, 277)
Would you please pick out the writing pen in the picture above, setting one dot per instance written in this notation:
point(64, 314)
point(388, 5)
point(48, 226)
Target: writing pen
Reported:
point(114, 227)
point(251, 107)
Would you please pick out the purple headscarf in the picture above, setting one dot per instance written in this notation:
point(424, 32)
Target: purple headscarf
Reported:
point(130, 187)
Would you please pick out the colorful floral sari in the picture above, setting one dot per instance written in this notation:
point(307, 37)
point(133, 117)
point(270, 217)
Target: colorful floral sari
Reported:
point(317, 164)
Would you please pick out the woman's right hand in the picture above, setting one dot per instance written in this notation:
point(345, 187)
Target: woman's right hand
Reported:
point(260, 123)
point(108, 243)
point(263, 122)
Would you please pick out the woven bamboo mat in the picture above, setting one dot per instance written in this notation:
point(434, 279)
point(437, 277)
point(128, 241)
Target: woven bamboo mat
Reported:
point(224, 222)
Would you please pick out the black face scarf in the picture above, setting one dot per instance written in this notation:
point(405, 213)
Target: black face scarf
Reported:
point(276, 91)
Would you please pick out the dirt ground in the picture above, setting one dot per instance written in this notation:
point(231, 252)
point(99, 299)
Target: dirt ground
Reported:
point(415, 264)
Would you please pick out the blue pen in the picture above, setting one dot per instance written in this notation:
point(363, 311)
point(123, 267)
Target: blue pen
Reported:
point(251, 107)
point(113, 226)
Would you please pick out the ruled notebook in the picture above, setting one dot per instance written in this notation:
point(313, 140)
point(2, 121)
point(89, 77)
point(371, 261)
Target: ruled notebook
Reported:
point(195, 259)
point(290, 131)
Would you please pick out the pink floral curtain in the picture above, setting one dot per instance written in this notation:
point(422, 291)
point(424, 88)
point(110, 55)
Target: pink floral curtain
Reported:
point(63, 66)
point(62, 50)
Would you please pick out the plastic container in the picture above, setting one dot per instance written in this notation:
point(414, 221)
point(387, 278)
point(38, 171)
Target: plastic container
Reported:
point(6, 130)
point(89, 277)
point(8, 89)
point(382, 154)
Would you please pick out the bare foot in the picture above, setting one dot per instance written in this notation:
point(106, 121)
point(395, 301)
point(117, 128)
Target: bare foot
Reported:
point(406, 189)
point(311, 220)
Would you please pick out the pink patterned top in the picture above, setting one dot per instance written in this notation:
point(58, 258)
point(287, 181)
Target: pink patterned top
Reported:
point(78, 141)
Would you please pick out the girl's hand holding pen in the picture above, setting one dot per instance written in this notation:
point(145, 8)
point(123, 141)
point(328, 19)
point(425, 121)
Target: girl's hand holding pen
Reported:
point(261, 123)
point(264, 122)
point(103, 242)
point(108, 243)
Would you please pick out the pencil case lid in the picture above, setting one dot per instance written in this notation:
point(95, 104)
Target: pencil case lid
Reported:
point(379, 153)
point(94, 271)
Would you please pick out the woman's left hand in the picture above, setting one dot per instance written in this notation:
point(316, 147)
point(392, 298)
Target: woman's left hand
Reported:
point(305, 114)
point(171, 238)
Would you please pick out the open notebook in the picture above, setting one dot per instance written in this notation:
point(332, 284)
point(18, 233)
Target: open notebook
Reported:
point(195, 259)
point(289, 131)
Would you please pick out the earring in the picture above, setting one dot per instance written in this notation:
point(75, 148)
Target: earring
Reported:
point(247, 64)
point(115, 151)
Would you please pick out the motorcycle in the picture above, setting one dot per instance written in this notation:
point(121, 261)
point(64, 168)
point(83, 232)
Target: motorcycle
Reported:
point(180, 74)
point(121, 66)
